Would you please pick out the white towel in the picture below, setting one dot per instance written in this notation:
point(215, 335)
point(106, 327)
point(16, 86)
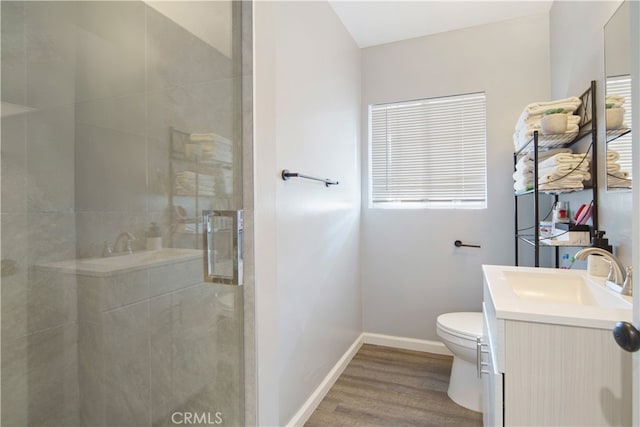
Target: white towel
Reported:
point(613, 167)
point(564, 170)
point(612, 155)
point(556, 187)
point(618, 180)
point(537, 108)
point(583, 159)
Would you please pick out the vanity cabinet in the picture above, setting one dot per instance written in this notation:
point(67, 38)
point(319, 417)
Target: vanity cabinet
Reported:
point(548, 374)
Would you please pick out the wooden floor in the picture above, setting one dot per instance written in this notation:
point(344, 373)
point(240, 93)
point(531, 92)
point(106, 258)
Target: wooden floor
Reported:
point(390, 387)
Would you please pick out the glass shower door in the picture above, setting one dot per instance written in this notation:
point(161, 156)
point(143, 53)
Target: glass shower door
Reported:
point(122, 122)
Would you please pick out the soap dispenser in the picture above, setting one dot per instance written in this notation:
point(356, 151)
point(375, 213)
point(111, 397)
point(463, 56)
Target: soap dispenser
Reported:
point(599, 241)
point(154, 241)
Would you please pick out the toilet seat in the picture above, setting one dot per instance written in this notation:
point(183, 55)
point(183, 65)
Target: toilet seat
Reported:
point(465, 325)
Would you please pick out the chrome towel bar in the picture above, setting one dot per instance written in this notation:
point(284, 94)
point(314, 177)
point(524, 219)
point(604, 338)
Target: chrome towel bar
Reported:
point(286, 175)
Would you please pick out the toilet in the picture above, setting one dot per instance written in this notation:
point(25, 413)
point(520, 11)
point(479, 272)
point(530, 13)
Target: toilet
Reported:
point(459, 333)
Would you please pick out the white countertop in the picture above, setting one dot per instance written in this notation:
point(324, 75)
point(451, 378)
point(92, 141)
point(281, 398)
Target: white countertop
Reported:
point(585, 301)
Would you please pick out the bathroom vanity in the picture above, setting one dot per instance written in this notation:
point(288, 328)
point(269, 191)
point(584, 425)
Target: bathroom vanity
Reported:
point(547, 356)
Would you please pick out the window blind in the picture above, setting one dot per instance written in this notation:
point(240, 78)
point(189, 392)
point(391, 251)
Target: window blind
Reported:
point(429, 151)
point(622, 86)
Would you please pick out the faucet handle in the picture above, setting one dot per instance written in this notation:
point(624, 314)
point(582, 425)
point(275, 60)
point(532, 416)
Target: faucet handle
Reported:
point(612, 277)
point(627, 287)
point(107, 249)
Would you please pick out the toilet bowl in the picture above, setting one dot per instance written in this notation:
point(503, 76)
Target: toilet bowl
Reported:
point(459, 333)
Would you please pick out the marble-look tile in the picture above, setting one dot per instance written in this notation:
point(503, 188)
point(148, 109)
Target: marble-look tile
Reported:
point(51, 237)
point(124, 114)
point(13, 53)
point(123, 289)
point(50, 159)
point(33, 299)
point(126, 365)
point(40, 379)
point(51, 300)
point(14, 164)
point(110, 170)
point(91, 373)
point(176, 57)
point(163, 397)
point(89, 298)
point(184, 349)
point(14, 275)
point(51, 60)
point(168, 278)
point(110, 49)
point(195, 108)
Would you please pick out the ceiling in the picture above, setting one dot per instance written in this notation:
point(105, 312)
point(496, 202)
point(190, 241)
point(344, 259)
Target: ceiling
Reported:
point(373, 22)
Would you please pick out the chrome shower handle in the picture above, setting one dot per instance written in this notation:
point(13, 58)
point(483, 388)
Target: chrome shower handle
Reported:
point(223, 251)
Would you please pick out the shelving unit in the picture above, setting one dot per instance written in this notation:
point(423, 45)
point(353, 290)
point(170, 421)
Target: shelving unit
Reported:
point(198, 181)
point(587, 129)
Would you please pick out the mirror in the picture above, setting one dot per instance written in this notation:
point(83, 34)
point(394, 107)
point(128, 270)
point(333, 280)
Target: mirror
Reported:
point(617, 60)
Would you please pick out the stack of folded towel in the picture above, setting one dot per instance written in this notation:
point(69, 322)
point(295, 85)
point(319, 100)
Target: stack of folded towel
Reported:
point(531, 116)
point(564, 172)
point(616, 178)
point(210, 146)
point(186, 184)
point(559, 170)
point(523, 176)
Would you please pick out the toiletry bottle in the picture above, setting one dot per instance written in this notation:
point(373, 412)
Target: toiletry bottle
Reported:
point(567, 261)
point(154, 241)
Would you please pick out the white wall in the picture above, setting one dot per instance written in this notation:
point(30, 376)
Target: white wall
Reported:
point(577, 57)
point(307, 236)
point(411, 271)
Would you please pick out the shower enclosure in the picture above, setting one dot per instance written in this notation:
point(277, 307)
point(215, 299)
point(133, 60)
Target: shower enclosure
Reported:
point(122, 122)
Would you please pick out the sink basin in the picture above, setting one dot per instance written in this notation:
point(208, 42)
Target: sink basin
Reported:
point(563, 288)
point(549, 295)
point(124, 263)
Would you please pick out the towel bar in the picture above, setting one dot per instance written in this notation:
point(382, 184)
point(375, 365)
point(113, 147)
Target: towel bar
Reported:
point(459, 243)
point(286, 175)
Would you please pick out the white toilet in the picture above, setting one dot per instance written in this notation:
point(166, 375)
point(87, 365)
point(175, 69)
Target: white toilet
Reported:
point(459, 332)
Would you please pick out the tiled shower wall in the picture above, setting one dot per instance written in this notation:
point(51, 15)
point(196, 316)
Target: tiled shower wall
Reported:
point(102, 83)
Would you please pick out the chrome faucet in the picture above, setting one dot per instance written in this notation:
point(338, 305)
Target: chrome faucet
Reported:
point(621, 277)
point(124, 238)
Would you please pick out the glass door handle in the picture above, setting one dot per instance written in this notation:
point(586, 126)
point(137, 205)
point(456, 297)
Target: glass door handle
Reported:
point(627, 336)
point(223, 252)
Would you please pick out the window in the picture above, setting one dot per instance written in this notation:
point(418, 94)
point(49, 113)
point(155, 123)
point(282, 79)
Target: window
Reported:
point(428, 153)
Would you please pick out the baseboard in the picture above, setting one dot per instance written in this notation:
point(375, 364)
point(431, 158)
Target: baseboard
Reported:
point(310, 405)
point(303, 414)
point(435, 347)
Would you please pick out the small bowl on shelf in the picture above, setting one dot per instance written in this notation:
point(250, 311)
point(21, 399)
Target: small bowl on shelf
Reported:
point(615, 117)
point(554, 124)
